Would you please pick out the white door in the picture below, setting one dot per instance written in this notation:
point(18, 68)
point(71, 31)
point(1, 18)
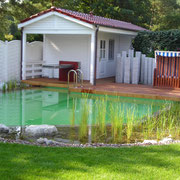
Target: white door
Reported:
point(106, 62)
point(111, 59)
point(102, 60)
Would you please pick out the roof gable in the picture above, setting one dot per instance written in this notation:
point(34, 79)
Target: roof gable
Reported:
point(55, 22)
point(89, 19)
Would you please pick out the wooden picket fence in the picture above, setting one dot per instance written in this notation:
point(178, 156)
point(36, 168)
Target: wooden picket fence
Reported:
point(167, 71)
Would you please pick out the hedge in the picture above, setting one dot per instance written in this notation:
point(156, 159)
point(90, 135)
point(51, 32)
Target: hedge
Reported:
point(147, 41)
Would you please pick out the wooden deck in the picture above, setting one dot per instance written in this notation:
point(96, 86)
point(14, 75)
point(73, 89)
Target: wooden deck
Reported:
point(109, 87)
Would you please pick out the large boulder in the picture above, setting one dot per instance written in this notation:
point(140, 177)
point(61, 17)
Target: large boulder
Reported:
point(4, 129)
point(40, 130)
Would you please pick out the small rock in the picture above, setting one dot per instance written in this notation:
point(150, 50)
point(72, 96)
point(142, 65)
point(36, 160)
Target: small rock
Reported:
point(41, 140)
point(62, 140)
point(4, 129)
point(40, 130)
point(76, 142)
point(166, 140)
point(149, 142)
point(46, 141)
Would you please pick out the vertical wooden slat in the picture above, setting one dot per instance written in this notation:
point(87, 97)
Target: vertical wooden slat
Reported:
point(158, 70)
point(163, 67)
point(171, 72)
point(176, 72)
point(161, 70)
point(179, 71)
point(155, 77)
point(167, 72)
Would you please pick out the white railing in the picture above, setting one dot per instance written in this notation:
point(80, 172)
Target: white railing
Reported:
point(34, 69)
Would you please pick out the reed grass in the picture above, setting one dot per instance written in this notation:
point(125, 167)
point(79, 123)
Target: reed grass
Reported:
point(4, 88)
point(10, 86)
point(72, 120)
point(117, 119)
point(83, 129)
point(114, 123)
point(101, 115)
point(129, 124)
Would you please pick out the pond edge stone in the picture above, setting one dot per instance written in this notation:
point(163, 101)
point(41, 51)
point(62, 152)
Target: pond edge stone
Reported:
point(40, 130)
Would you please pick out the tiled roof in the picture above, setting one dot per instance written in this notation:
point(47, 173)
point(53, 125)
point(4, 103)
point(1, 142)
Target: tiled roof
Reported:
point(90, 18)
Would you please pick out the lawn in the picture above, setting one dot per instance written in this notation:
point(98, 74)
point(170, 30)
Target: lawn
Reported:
point(32, 162)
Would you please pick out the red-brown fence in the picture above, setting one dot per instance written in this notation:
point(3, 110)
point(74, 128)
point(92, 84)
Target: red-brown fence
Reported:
point(167, 72)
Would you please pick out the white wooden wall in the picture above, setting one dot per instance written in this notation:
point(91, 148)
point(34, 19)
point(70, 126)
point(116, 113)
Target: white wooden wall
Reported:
point(68, 48)
point(122, 43)
point(10, 53)
point(2, 62)
point(34, 51)
point(10, 59)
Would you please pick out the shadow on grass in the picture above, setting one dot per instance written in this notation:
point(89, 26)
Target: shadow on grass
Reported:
point(29, 162)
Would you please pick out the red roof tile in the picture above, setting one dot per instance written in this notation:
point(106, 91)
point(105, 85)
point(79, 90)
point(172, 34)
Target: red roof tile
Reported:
point(90, 18)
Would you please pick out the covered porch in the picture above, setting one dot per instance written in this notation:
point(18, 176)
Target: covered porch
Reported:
point(68, 38)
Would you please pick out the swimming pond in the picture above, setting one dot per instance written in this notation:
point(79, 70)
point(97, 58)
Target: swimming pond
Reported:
point(60, 108)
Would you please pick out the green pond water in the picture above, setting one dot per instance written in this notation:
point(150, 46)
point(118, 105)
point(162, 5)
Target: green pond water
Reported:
point(57, 107)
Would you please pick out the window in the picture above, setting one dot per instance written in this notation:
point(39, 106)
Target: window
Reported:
point(111, 49)
point(102, 49)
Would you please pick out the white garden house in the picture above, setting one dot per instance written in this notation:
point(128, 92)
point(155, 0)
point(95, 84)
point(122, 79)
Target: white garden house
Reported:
point(71, 36)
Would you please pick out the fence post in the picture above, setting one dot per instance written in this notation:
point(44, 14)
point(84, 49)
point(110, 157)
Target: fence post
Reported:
point(6, 61)
point(135, 71)
point(149, 71)
point(138, 55)
point(146, 71)
point(119, 69)
point(127, 67)
point(142, 68)
point(153, 68)
point(131, 55)
point(24, 56)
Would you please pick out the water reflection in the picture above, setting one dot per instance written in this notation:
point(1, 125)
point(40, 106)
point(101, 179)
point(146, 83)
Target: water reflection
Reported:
point(44, 106)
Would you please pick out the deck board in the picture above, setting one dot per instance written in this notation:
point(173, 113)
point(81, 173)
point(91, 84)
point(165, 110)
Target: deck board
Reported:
point(109, 87)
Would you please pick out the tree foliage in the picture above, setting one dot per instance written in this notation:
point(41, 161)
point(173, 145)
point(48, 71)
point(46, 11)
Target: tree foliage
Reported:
point(165, 14)
point(151, 14)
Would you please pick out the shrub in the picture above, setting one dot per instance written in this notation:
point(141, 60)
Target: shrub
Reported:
point(147, 42)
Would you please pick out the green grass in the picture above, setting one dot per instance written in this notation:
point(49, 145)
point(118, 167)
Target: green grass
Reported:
point(32, 162)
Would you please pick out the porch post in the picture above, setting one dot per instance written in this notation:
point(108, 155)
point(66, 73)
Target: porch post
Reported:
point(92, 62)
point(23, 55)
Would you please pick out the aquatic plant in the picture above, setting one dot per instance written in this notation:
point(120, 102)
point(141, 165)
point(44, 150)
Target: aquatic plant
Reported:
point(101, 115)
point(14, 84)
point(117, 119)
point(83, 129)
point(129, 123)
point(23, 85)
point(4, 88)
point(149, 123)
point(10, 85)
point(72, 120)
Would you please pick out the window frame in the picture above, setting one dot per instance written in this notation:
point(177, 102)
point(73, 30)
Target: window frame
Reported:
point(102, 49)
point(111, 50)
